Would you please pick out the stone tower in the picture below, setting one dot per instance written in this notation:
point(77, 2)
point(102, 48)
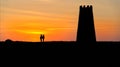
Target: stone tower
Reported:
point(86, 29)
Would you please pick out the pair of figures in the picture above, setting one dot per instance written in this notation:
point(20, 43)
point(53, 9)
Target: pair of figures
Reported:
point(42, 37)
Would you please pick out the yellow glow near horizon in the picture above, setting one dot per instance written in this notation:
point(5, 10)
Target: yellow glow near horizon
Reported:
point(31, 32)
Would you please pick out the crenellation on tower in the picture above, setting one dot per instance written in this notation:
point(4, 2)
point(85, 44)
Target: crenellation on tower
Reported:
point(81, 7)
point(86, 6)
point(90, 6)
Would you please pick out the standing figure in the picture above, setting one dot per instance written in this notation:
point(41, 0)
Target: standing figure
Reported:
point(41, 37)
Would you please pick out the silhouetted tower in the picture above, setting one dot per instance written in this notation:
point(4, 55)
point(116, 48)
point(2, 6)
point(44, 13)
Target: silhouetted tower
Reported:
point(86, 29)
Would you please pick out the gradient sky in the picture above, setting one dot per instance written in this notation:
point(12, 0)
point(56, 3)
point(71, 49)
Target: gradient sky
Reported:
point(25, 20)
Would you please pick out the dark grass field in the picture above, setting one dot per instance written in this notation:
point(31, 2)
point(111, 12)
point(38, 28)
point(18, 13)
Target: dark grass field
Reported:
point(59, 44)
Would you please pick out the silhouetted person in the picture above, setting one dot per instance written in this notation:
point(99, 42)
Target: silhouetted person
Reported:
point(42, 37)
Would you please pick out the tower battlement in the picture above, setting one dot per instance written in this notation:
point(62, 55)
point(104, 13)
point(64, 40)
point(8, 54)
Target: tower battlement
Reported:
point(85, 6)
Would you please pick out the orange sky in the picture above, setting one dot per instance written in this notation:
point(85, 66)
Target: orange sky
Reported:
point(25, 20)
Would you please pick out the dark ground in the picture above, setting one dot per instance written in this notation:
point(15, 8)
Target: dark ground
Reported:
point(85, 58)
point(11, 44)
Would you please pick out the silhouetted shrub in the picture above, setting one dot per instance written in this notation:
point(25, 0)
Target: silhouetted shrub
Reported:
point(8, 41)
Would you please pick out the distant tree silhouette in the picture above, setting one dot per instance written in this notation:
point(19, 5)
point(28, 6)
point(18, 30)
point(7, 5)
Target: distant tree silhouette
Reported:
point(8, 41)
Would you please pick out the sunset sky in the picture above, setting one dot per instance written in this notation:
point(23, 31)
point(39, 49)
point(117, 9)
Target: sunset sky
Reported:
point(25, 20)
